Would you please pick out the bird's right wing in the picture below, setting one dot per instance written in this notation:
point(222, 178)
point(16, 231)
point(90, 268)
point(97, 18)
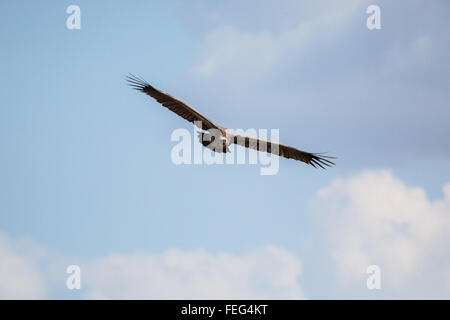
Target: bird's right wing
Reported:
point(175, 105)
point(283, 150)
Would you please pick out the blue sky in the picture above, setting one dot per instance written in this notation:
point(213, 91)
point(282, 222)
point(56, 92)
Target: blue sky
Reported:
point(85, 161)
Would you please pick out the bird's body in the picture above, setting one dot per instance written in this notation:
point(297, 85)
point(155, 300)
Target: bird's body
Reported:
point(217, 143)
point(218, 138)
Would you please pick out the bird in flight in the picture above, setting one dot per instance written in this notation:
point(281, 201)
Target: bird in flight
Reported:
point(218, 138)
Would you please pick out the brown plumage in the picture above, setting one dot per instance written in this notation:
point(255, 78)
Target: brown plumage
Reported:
point(175, 105)
point(185, 111)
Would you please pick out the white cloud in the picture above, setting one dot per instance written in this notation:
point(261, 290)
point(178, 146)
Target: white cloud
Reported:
point(227, 48)
point(370, 218)
point(20, 278)
point(374, 218)
point(268, 273)
point(27, 271)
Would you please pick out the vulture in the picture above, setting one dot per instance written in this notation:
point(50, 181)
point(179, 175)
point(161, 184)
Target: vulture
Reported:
point(218, 138)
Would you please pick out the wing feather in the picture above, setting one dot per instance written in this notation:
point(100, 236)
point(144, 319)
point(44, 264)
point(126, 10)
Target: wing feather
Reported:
point(285, 151)
point(175, 105)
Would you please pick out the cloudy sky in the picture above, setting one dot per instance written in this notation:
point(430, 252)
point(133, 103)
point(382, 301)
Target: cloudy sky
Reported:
point(86, 176)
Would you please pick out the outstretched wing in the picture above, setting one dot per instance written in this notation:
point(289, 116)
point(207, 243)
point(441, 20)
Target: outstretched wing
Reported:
point(178, 106)
point(283, 150)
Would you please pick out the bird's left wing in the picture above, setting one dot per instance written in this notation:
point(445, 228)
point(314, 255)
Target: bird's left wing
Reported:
point(175, 105)
point(283, 150)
